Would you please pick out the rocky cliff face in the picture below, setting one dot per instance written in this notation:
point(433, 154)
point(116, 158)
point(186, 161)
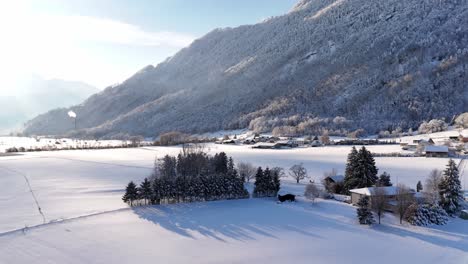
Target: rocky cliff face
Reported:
point(379, 64)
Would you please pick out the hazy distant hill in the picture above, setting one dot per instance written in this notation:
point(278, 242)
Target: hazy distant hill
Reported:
point(35, 95)
point(377, 64)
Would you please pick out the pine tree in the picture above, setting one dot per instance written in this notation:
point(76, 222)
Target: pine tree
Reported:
point(364, 213)
point(259, 188)
point(220, 162)
point(384, 180)
point(156, 191)
point(276, 181)
point(367, 169)
point(131, 193)
point(360, 170)
point(351, 164)
point(451, 196)
point(145, 191)
point(419, 186)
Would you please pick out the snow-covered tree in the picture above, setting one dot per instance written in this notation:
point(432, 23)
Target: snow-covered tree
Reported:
point(311, 191)
point(426, 214)
point(451, 196)
point(432, 191)
point(462, 120)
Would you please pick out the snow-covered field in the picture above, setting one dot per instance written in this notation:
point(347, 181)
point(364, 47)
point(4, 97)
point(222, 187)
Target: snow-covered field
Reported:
point(84, 187)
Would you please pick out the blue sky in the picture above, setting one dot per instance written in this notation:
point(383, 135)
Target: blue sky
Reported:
point(103, 42)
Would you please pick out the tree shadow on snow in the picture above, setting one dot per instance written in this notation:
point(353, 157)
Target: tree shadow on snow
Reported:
point(241, 220)
point(442, 236)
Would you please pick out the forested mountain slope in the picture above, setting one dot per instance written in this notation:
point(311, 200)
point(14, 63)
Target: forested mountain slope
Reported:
point(378, 64)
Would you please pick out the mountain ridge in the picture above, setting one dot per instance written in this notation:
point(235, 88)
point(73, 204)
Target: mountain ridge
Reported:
point(378, 64)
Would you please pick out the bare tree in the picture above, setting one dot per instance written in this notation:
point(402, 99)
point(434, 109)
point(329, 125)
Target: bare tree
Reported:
point(279, 171)
point(298, 172)
point(136, 141)
point(404, 198)
point(432, 186)
point(312, 191)
point(246, 170)
point(379, 201)
point(325, 140)
point(193, 148)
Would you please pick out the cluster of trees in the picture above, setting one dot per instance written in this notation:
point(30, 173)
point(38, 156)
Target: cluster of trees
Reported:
point(443, 198)
point(462, 120)
point(191, 176)
point(267, 182)
point(435, 125)
point(176, 138)
point(55, 147)
point(361, 170)
point(298, 125)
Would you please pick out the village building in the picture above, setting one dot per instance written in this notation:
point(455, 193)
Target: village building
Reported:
point(436, 151)
point(286, 144)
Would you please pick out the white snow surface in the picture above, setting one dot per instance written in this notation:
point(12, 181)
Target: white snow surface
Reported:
point(79, 193)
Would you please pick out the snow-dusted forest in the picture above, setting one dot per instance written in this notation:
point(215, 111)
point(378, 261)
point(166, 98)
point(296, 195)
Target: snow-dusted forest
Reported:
point(374, 64)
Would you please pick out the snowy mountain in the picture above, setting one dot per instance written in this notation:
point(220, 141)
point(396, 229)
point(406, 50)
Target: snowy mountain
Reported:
point(373, 64)
point(34, 95)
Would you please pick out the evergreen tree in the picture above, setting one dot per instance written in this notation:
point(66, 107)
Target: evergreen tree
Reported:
point(145, 191)
point(384, 180)
point(131, 193)
point(360, 170)
point(350, 171)
point(451, 195)
point(156, 191)
point(419, 186)
point(367, 168)
point(364, 213)
point(259, 188)
point(276, 180)
point(220, 163)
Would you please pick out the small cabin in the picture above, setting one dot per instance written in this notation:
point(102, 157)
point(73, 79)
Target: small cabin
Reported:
point(334, 179)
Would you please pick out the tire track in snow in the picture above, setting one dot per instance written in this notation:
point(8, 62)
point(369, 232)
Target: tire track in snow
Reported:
point(61, 221)
point(30, 190)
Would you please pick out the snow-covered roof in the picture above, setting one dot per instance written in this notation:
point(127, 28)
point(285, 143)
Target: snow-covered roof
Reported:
point(337, 178)
point(389, 190)
point(439, 149)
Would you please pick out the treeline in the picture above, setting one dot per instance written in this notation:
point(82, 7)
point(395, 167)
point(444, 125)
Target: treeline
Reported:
point(192, 176)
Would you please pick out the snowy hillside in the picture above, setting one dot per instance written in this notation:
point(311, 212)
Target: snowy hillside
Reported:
point(379, 64)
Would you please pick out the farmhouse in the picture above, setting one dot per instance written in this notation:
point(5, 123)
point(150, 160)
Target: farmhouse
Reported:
point(436, 151)
point(390, 194)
